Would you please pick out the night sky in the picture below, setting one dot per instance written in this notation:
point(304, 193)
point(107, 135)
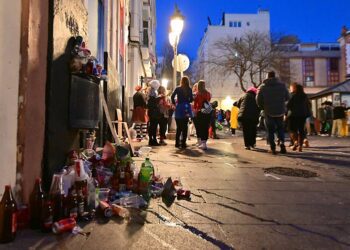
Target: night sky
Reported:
point(311, 20)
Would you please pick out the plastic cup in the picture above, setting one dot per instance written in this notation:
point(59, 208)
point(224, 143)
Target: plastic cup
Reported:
point(103, 194)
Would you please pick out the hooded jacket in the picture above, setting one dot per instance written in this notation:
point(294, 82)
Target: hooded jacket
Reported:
point(248, 109)
point(272, 97)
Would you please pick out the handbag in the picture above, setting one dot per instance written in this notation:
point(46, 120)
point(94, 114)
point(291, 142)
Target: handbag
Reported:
point(206, 108)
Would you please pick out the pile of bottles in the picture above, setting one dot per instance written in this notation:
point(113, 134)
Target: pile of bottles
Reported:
point(75, 194)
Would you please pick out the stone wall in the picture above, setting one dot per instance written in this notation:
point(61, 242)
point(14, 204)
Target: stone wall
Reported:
point(69, 19)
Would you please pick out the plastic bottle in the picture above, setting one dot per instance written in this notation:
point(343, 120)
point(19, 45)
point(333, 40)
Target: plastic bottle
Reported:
point(145, 177)
point(37, 202)
point(8, 216)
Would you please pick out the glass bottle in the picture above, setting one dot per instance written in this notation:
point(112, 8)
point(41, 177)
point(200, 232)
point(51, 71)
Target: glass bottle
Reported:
point(47, 217)
point(57, 197)
point(37, 202)
point(8, 216)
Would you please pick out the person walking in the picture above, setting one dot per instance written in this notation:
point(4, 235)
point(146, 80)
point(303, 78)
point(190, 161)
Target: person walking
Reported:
point(139, 113)
point(202, 110)
point(298, 110)
point(339, 114)
point(234, 118)
point(272, 97)
point(153, 112)
point(164, 106)
point(249, 117)
point(183, 110)
point(213, 120)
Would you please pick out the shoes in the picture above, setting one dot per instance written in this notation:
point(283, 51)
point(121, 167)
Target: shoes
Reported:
point(273, 151)
point(283, 149)
point(177, 145)
point(203, 145)
point(153, 143)
point(162, 143)
point(247, 148)
point(306, 143)
point(183, 145)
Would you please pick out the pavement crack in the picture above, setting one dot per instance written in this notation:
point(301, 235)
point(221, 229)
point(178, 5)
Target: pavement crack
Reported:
point(222, 196)
point(200, 214)
point(296, 227)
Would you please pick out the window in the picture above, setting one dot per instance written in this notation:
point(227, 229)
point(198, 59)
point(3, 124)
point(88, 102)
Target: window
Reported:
point(235, 24)
point(284, 69)
point(309, 72)
point(145, 33)
point(333, 71)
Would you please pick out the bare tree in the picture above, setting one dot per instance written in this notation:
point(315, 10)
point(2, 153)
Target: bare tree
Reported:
point(248, 57)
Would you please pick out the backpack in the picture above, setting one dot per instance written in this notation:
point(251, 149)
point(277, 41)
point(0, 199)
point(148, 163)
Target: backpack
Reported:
point(206, 108)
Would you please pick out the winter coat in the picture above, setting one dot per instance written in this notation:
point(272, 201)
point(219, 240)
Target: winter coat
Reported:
point(299, 106)
point(339, 112)
point(248, 108)
point(153, 108)
point(272, 96)
point(183, 107)
point(234, 117)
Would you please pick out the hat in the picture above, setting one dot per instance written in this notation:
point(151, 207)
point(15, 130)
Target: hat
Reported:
point(138, 87)
point(253, 90)
point(154, 84)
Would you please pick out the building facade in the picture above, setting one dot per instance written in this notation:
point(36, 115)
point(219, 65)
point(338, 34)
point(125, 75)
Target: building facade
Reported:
point(315, 65)
point(141, 46)
point(35, 80)
point(226, 88)
point(344, 42)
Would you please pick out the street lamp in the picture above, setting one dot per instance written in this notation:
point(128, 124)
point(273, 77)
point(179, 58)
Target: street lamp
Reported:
point(176, 27)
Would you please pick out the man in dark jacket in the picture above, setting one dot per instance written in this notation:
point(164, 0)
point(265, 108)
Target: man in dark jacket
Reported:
point(339, 114)
point(272, 97)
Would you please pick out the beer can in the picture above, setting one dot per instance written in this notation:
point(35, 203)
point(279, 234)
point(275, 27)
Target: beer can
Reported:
point(64, 225)
point(106, 209)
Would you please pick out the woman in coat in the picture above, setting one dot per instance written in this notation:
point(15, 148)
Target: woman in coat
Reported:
point(202, 119)
point(249, 117)
point(183, 110)
point(234, 118)
point(298, 110)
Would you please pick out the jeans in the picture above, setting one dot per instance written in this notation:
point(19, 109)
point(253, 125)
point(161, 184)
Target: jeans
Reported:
point(275, 124)
point(152, 129)
point(203, 122)
point(181, 130)
point(163, 124)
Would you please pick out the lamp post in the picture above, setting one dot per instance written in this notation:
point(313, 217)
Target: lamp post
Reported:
point(176, 27)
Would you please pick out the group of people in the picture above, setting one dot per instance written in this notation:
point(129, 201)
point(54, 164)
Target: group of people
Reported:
point(273, 102)
point(153, 108)
point(333, 119)
point(271, 106)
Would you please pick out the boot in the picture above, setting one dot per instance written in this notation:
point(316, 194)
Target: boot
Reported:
point(306, 143)
point(161, 141)
point(300, 143)
point(295, 142)
point(203, 145)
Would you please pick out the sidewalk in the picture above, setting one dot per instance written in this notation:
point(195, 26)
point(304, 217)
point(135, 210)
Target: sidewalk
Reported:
point(235, 204)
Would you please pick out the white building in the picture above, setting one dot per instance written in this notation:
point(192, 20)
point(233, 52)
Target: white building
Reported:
point(142, 43)
point(225, 89)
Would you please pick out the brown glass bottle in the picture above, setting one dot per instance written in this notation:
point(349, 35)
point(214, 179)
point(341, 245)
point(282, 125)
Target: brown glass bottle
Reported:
point(57, 197)
point(8, 216)
point(72, 205)
point(37, 203)
point(81, 203)
point(47, 217)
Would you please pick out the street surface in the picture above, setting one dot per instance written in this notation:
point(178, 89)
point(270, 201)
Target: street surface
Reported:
point(235, 204)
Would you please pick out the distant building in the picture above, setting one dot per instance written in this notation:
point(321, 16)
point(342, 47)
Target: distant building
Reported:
point(226, 89)
point(315, 65)
point(141, 45)
point(344, 42)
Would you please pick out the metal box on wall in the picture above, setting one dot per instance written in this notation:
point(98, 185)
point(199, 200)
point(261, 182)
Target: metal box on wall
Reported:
point(84, 108)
